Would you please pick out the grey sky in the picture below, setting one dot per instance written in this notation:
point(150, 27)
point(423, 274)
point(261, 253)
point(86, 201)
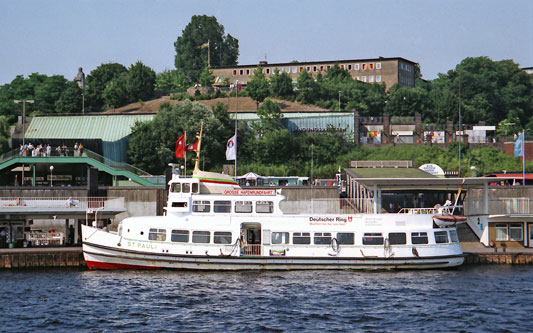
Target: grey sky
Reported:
point(58, 36)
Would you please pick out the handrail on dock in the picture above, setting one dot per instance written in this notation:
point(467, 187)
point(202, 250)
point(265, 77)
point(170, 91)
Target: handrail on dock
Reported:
point(61, 202)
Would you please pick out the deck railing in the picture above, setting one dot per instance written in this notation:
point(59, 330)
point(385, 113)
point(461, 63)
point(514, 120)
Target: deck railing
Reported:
point(251, 250)
point(318, 206)
point(61, 202)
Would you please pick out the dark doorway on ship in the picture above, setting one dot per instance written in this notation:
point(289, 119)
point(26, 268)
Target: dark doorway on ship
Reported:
point(251, 239)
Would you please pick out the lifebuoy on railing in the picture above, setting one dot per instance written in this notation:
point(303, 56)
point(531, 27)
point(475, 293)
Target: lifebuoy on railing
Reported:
point(335, 244)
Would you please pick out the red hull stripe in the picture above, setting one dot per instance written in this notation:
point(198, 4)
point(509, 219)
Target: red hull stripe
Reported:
point(108, 265)
point(217, 182)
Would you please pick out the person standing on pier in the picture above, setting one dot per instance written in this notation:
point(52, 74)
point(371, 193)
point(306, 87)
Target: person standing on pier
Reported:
point(3, 241)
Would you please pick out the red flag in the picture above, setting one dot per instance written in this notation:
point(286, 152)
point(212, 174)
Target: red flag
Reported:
point(180, 147)
point(192, 146)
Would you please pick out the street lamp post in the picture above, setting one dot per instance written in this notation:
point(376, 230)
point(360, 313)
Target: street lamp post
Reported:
point(51, 175)
point(339, 100)
point(24, 101)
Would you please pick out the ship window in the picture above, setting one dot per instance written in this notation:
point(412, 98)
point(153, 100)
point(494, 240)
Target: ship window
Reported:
point(501, 232)
point(175, 187)
point(180, 236)
point(453, 236)
point(346, 238)
point(441, 237)
point(222, 237)
point(322, 238)
point(516, 232)
point(157, 234)
point(280, 238)
point(222, 206)
point(195, 188)
point(419, 238)
point(201, 206)
point(201, 237)
point(397, 238)
point(373, 238)
point(301, 238)
point(264, 207)
point(179, 204)
point(186, 188)
point(243, 206)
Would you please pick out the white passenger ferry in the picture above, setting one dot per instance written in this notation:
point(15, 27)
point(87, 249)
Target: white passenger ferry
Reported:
point(213, 224)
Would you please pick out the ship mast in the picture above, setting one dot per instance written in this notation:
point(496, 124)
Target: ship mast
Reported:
point(199, 137)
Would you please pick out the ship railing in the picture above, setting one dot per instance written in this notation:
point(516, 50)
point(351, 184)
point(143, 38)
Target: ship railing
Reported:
point(251, 250)
point(61, 202)
point(446, 210)
point(317, 206)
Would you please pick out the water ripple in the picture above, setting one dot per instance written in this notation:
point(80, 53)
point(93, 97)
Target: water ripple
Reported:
point(469, 299)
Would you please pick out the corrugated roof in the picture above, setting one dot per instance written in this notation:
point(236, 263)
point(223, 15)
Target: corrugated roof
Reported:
point(105, 127)
point(390, 173)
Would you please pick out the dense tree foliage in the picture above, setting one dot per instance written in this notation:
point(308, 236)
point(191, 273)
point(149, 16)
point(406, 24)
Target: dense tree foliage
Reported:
point(70, 100)
point(258, 88)
point(281, 85)
point(140, 82)
point(171, 81)
point(152, 144)
point(98, 80)
point(191, 57)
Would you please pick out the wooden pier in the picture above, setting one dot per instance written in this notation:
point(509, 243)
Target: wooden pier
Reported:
point(41, 257)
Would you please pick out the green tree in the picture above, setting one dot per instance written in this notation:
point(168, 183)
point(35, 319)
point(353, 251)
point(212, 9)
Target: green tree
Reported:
point(48, 92)
point(258, 87)
point(140, 82)
point(70, 100)
point(206, 77)
point(4, 134)
point(270, 115)
point(406, 101)
point(115, 94)
point(308, 89)
point(191, 58)
point(152, 144)
point(97, 81)
point(171, 81)
point(281, 85)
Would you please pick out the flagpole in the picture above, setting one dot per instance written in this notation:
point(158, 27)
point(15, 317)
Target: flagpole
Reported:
point(236, 107)
point(185, 154)
point(524, 157)
point(208, 53)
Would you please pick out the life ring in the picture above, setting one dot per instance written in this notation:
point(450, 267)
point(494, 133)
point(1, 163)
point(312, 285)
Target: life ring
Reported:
point(335, 244)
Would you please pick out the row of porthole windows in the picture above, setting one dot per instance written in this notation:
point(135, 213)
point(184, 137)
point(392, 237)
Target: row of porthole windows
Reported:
point(319, 238)
point(224, 206)
point(184, 187)
point(182, 236)
point(369, 238)
point(309, 69)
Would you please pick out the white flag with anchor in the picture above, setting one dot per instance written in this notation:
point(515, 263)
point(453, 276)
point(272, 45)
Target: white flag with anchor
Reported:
point(231, 149)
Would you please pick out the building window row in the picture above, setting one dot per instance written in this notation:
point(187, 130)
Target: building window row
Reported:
point(370, 78)
point(406, 67)
point(311, 69)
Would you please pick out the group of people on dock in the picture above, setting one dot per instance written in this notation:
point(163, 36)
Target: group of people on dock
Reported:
point(45, 150)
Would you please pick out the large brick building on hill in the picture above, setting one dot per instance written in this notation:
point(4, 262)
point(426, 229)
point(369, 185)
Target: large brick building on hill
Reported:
point(376, 70)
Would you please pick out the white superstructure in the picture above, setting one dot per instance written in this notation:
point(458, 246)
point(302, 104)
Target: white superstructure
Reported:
point(212, 223)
